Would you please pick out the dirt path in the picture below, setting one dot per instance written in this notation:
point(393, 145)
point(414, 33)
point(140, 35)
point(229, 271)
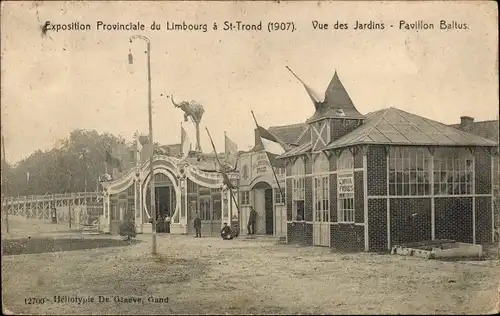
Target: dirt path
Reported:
point(208, 276)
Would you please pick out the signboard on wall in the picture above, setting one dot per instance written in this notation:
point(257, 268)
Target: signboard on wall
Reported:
point(345, 183)
point(260, 164)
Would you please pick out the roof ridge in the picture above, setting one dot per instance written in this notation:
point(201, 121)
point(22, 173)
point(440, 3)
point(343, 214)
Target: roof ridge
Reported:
point(432, 122)
point(288, 125)
point(382, 116)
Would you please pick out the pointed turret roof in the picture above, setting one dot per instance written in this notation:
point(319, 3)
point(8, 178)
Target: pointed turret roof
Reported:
point(337, 103)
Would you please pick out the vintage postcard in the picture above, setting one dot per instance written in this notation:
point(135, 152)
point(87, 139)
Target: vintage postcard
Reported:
point(240, 157)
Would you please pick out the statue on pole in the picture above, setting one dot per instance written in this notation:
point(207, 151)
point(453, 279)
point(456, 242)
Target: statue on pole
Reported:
point(195, 111)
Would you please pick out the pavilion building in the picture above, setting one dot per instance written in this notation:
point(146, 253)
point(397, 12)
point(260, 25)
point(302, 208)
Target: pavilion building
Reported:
point(183, 189)
point(369, 182)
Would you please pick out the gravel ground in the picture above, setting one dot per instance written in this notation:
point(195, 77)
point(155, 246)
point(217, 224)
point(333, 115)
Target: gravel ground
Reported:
point(258, 276)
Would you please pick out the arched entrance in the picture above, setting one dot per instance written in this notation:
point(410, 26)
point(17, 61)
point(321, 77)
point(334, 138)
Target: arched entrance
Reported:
point(167, 198)
point(264, 206)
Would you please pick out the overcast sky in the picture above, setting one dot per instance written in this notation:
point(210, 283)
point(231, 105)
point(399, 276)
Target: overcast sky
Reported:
point(54, 84)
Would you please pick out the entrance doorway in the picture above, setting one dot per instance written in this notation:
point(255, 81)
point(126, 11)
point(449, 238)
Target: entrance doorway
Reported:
point(268, 206)
point(163, 205)
point(263, 204)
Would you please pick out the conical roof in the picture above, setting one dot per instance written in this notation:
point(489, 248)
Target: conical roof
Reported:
point(337, 103)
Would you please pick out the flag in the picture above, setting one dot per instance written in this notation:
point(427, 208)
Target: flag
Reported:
point(138, 148)
point(315, 98)
point(185, 143)
point(273, 147)
point(113, 161)
point(270, 143)
point(231, 151)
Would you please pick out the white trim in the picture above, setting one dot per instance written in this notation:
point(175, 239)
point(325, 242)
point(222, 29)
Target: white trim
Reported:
point(170, 174)
point(321, 128)
point(365, 200)
point(347, 223)
point(388, 205)
point(426, 196)
point(327, 173)
point(433, 200)
point(474, 199)
point(328, 131)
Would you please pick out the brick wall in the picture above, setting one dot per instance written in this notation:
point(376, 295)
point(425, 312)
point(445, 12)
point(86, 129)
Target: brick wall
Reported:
point(377, 171)
point(333, 162)
point(359, 216)
point(289, 185)
point(288, 168)
point(308, 165)
point(358, 157)
point(483, 171)
point(340, 127)
point(410, 220)
point(347, 237)
point(454, 218)
point(300, 233)
point(333, 197)
point(483, 220)
point(377, 223)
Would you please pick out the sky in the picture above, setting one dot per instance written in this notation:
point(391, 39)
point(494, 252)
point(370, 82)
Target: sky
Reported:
point(53, 84)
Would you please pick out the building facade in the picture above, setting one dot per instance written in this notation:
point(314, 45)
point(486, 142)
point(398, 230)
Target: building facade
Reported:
point(369, 182)
point(183, 188)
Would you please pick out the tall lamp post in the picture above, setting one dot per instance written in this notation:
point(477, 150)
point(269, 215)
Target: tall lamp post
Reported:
point(151, 146)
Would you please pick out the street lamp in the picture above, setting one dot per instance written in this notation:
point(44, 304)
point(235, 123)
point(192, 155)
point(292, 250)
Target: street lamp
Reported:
point(152, 180)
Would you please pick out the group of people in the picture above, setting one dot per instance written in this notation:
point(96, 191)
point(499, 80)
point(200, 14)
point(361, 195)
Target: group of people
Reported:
point(227, 233)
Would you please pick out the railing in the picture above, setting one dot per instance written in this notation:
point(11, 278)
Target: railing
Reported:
point(51, 197)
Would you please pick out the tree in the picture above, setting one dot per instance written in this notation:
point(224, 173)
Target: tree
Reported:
point(73, 167)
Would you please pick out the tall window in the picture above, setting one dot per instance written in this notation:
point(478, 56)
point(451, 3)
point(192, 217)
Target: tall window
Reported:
point(409, 171)
point(345, 187)
point(280, 171)
point(278, 196)
point(453, 170)
point(192, 187)
point(298, 189)
point(321, 199)
point(205, 209)
point(245, 197)
point(320, 186)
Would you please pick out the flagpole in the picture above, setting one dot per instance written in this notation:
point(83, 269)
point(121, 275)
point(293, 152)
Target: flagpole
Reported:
point(267, 155)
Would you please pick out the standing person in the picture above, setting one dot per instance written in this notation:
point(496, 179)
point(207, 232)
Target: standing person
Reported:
point(167, 223)
point(251, 221)
point(197, 226)
point(166, 219)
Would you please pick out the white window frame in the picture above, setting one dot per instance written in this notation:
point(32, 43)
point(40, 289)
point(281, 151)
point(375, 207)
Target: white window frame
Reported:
point(280, 171)
point(245, 197)
point(346, 211)
point(321, 198)
point(409, 171)
point(298, 187)
point(453, 171)
point(206, 209)
point(278, 197)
